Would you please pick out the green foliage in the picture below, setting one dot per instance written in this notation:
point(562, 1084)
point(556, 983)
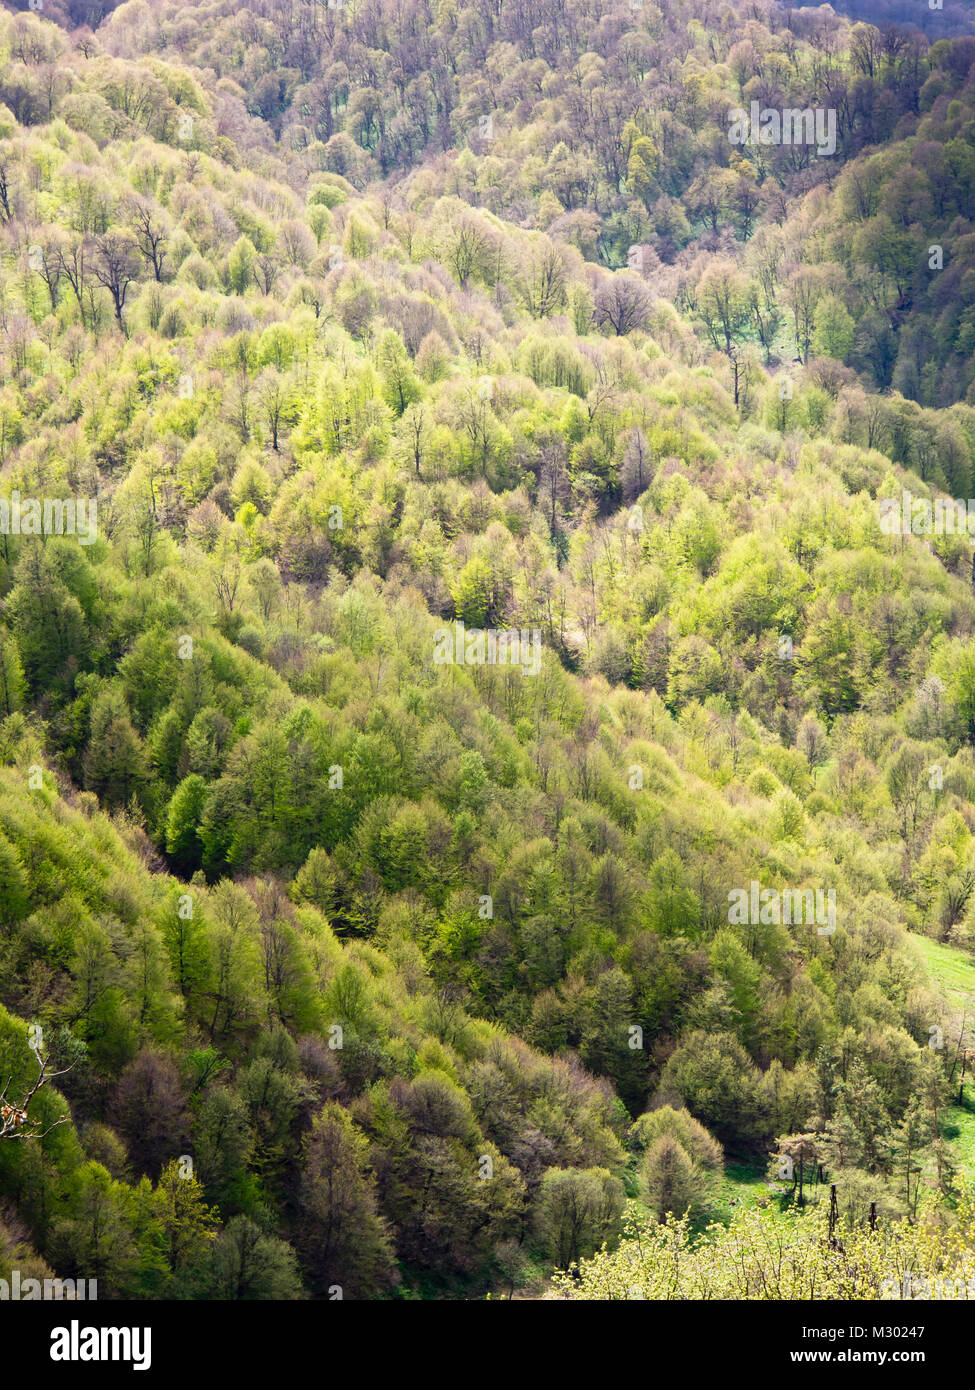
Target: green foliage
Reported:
point(397, 948)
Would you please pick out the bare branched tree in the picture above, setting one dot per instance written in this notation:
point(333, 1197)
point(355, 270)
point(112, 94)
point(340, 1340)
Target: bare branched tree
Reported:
point(15, 1123)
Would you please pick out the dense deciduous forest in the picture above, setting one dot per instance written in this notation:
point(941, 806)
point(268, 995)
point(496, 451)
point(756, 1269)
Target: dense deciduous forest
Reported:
point(937, 18)
point(342, 954)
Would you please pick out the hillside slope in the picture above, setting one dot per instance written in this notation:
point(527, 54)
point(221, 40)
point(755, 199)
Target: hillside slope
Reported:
point(299, 880)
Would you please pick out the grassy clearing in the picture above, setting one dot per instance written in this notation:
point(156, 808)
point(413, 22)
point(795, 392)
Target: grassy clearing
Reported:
point(958, 1128)
point(950, 967)
point(747, 1185)
point(953, 969)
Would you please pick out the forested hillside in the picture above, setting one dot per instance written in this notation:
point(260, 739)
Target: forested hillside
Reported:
point(937, 18)
point(377, 960)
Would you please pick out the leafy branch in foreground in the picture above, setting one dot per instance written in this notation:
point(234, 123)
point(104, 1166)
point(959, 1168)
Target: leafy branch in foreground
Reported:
point(764, 1254)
